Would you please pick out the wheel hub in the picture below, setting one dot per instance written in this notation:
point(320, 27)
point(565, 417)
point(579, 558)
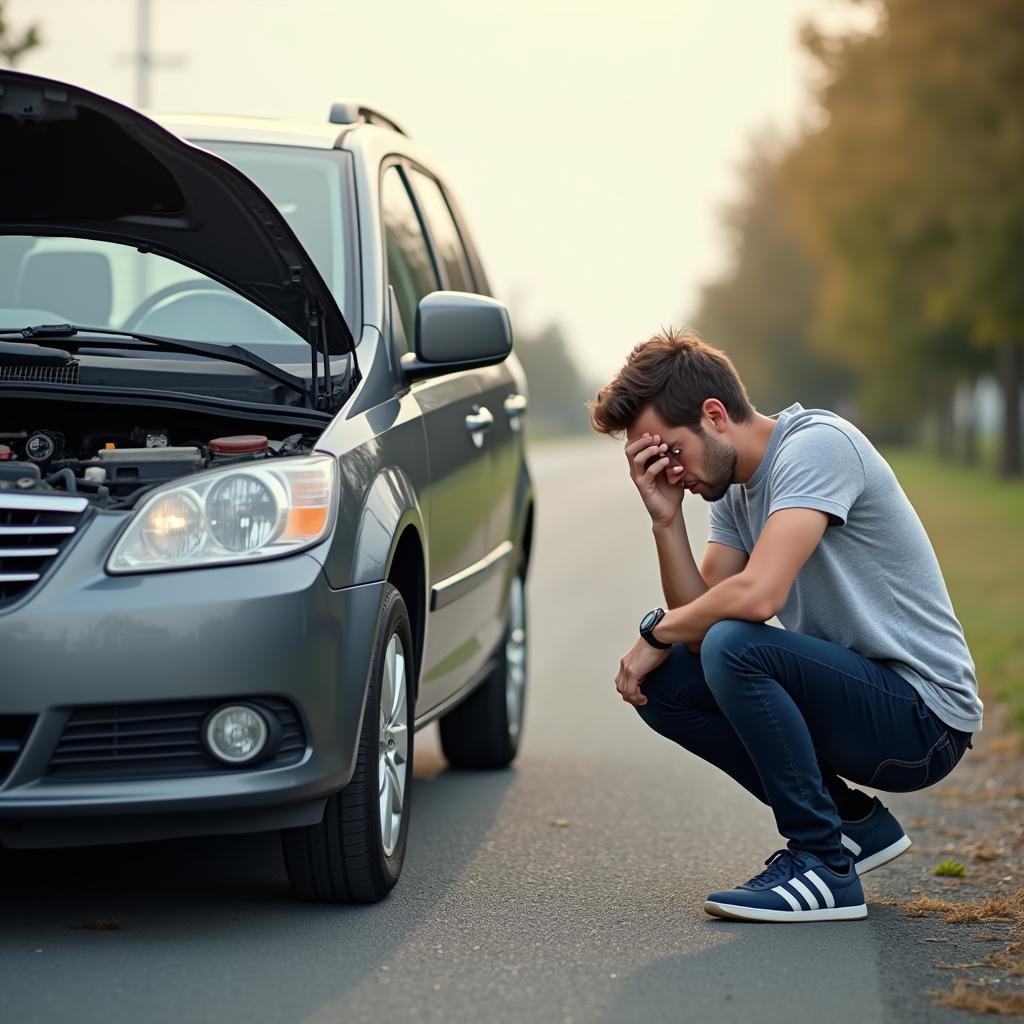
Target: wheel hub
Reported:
point(515, 657)
point(393, 745)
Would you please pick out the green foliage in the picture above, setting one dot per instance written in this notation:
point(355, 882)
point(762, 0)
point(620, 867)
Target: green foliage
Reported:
point(879, 255)
point(762, 309)
point(974, 523)
point(910, 194)
point(13, 47)
point(950, 869)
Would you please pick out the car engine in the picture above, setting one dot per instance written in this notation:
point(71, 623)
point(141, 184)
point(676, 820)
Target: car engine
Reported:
point(114, 455)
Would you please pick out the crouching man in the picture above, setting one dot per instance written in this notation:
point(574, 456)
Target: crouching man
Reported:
point(871, 681)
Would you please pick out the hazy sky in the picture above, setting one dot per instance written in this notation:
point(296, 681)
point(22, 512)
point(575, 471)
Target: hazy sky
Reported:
point(591, 144)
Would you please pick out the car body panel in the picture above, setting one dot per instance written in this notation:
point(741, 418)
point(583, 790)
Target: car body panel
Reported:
point(418, 444)
point(229, 633)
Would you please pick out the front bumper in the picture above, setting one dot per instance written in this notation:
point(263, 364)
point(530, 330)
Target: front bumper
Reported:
point(271, 629)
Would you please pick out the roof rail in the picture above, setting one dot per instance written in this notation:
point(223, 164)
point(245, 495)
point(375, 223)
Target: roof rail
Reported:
point(354, 111)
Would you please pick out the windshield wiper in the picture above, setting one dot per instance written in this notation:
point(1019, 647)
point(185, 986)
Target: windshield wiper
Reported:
point(69, 337)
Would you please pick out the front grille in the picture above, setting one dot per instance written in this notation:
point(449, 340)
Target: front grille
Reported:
point(159, 740)
point(34, 529)
point(65, 374)
point(14, 730)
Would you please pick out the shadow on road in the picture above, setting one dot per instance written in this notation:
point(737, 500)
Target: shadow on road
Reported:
point(220, 906)
point(850, 972)
point(759, 972)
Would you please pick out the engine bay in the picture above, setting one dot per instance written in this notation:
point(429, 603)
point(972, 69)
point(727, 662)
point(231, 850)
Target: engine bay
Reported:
point(113, 455)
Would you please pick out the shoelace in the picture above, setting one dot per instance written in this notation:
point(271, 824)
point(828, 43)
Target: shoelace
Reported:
point(781, 864)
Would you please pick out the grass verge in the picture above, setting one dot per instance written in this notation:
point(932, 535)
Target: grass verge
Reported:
point(976, 525)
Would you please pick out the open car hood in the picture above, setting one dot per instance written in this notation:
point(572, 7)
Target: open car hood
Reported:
point(76, 164)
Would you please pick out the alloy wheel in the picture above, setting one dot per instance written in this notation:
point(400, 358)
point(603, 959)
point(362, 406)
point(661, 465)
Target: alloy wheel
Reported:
point(394, 744)
point(515, 657)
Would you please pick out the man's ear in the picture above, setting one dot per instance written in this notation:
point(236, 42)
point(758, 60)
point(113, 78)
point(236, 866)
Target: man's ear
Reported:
point(714, 411)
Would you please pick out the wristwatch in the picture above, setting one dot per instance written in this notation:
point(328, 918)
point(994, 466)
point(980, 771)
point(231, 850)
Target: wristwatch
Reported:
point(647, 624)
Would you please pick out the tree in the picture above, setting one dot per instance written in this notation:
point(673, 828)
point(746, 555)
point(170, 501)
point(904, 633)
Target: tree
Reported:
point(910, 194)
point(13, 47)
point(761, 310)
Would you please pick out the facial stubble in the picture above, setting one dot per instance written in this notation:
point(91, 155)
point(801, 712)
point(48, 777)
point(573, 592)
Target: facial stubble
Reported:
point(720, 466)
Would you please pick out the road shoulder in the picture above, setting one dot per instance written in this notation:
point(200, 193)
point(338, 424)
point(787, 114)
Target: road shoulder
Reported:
point(972, 923)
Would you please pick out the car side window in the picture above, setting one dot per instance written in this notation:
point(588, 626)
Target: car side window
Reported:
point(410, 269)
point(444, 233)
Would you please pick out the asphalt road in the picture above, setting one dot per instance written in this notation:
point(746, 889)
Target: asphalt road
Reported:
point(500, 915)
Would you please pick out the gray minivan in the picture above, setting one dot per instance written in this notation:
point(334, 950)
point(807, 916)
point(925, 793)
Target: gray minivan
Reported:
point(264, 503)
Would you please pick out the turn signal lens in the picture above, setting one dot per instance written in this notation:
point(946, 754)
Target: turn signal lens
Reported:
point(238, 514)
point(310, 502)
point(305, 522)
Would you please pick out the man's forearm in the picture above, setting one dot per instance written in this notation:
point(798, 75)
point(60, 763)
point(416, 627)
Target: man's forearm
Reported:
point(681, 581)
point(738, 597)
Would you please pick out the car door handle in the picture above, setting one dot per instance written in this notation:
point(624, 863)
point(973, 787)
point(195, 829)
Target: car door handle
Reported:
point(515, 406)
point(478, 422)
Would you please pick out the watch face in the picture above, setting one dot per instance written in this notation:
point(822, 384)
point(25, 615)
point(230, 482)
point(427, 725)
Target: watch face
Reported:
point(648, 621)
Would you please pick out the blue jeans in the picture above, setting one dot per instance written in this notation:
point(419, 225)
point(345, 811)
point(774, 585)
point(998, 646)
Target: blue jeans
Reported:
point(789, 717)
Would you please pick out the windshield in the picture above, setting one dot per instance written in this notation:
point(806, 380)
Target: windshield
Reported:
point(105, 284)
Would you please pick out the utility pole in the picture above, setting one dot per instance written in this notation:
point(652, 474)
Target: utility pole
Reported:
point(145, 61)
point(143, 58)
point(143, 52)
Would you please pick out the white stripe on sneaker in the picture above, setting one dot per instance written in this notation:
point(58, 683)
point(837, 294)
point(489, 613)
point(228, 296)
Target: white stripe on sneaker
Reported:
point(812, 903)
point(787, 897)
point(821, 887)
point(853, 847)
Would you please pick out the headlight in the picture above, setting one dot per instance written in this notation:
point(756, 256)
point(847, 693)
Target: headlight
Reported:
point(245, 512)
point(174, 526)
point(248, 512)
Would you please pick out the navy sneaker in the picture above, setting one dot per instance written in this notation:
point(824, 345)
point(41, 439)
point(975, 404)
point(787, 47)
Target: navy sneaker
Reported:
point(876, 839)
point(796, 886)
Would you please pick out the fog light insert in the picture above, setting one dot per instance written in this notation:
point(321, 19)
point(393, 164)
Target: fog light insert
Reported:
point(236, 733)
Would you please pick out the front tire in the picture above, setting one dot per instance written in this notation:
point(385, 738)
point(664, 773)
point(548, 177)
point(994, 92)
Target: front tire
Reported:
point(484, 731)
point(355, 853)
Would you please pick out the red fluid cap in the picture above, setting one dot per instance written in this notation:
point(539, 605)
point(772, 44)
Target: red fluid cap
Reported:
point(239, 444)
point(5, 453)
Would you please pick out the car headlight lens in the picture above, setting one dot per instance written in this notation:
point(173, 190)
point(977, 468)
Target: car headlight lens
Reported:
point(244, 513)
point(240, 514)
point(173, 528)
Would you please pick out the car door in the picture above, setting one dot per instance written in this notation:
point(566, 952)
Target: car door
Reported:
point(502, 389)
point(455, 423)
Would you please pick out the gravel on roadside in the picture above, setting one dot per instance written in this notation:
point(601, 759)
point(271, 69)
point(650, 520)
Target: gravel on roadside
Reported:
point(973, 819)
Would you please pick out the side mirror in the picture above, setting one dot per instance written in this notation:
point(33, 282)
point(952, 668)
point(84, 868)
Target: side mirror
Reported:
point(458, 331)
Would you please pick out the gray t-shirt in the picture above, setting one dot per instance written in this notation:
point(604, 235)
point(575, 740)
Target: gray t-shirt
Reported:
point(873, 584)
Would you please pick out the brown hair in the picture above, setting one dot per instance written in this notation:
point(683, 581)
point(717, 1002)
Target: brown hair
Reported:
point(676, 372)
